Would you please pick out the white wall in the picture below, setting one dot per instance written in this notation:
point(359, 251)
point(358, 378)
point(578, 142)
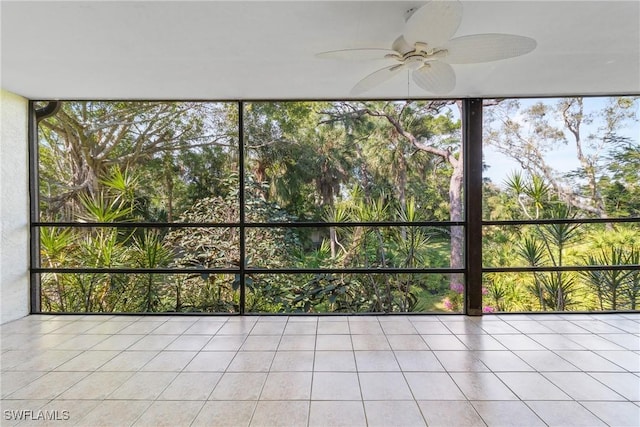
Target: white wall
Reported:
point(14, 207)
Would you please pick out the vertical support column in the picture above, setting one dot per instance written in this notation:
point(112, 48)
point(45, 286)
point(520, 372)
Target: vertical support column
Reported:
point(241, 200)
point(35, 305)
point(472, 146)
point(35, 115)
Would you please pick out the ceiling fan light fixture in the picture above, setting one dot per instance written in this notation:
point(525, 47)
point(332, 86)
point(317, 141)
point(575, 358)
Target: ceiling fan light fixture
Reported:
point(427, 47)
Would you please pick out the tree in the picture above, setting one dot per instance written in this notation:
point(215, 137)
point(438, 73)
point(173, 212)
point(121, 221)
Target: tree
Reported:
point(430, 130)
point(86, 139)
point(531, 135)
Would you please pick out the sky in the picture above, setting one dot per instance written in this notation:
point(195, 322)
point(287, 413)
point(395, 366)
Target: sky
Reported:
point(563, 158)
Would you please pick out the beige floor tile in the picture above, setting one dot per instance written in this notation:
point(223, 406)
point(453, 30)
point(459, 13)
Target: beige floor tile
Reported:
point(142, 327)
point(204, 327)
point(82, 342)
point(625, 359)
point(626, 325)
point(251, 361)
point(210, 361)
point(269, 328)
point(460, 361)
point(376, 361)
point(501, 361)
point(407, 342)
point(512, 414)
point(449, 414)
point(277, 414)
point(16, 412)
point(370, 342)
point(626, 341)
point(76, 327)
point(619, 414)
point(496, 327)
point(545, 361)
point(169, 414)
point(62, 412)
point(293, 361)
point(482, 386)
point(239, 386)
point(261, 343)
point(433, 386)
point(334, 361)
point(589, 361)
point(365, 327)
point(333, 328)
point(624, 383)
point(96, 386)
point(128, 361)
point(539, 374)
point(398, 327)
point(556, 342)
point(564, 327)
point(393, 413)
point(189, 343)
point(143, 386)
point(517, 342)
point(39, 342)
point(301, 328)
point(581, 386)
point(443, 342)
point(335, 386)
point(597, 326)
point(337, 414)
point(287, 386)
point(481, 342)
point(9, 359)
point(297, 342)
point(564, 414)
point(418, 361)
point(384, 386)
point(13, 380)
point(225, 414)
point(236, 328)
point(109, 327)
point(114, 413)
point(169, 361)
point(117, 342)
point(45, 360)
point(431, 328)
point(225, 343)
point(593, 342)
point(532, 386)
point(153, 342)
point(172, 328)
point(333, 342)
point(530, 327)
point(462, 328)
point(48, 386)
point(88, 360)
point(191, 386)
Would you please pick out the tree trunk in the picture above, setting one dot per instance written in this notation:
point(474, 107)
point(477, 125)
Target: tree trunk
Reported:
point(456, 212)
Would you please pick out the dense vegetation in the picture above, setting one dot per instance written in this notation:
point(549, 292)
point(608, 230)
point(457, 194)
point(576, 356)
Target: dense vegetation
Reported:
point(337, 162)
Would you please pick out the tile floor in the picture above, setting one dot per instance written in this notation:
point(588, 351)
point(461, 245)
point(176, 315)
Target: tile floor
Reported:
point(516, 370)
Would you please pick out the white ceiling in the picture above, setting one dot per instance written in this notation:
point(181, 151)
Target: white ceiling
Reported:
point(265, 49)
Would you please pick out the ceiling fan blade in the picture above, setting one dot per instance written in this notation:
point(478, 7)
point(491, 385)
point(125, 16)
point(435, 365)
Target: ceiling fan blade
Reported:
point(366, 54)
point(376, 78)
point(434, 23)
point(435, 77)
point(486, 47)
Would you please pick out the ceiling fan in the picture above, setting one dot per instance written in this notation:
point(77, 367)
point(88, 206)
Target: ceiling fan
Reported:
point(426, 48)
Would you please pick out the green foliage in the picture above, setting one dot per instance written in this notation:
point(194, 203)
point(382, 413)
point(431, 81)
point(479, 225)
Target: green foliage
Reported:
point(336, 161)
